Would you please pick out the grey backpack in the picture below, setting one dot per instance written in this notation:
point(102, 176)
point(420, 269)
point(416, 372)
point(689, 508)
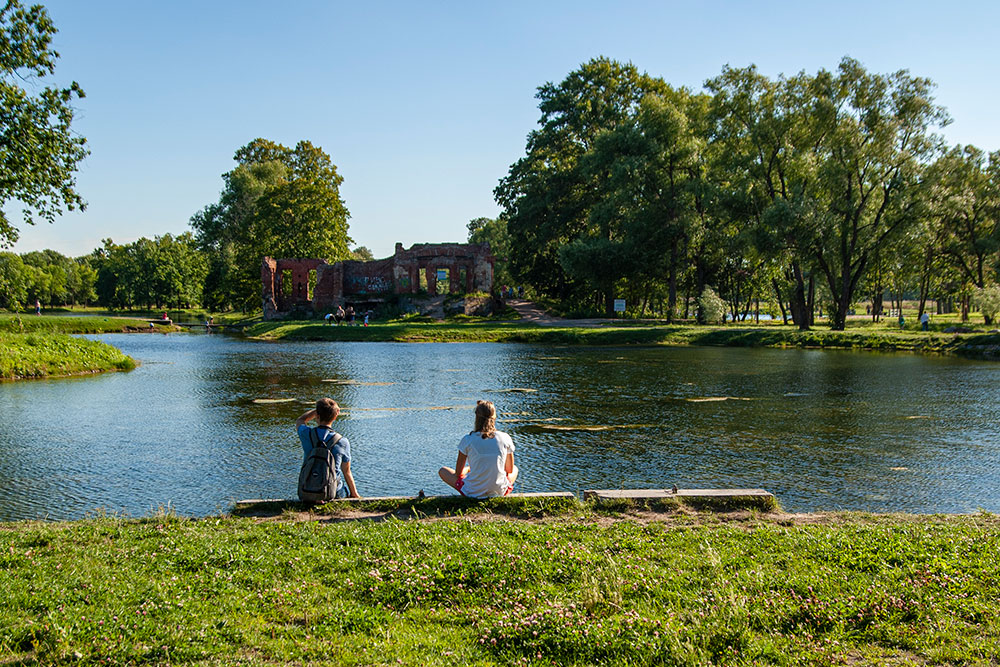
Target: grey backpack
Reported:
point(318, 477)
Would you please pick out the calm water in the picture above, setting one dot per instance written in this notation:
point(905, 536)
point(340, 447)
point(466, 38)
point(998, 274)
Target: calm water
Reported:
point(822, 430)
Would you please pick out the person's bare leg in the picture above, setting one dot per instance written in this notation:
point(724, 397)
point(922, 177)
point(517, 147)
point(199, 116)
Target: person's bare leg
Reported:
point(449, 477)
point(512, 476)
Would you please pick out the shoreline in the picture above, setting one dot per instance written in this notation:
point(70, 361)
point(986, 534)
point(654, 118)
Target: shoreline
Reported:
point(982, 346)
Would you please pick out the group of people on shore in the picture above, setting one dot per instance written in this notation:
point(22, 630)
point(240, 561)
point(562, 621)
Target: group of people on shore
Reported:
point(346, 315)
point(484, 467)
point(508, 291)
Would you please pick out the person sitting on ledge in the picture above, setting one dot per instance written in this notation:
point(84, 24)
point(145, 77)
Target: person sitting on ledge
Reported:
point(325, 413)
point(490, 456)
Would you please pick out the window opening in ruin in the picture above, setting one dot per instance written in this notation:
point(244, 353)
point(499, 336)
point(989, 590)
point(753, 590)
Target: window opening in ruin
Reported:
point(422, 272)
point(443, 280)
point(463, 278)
point(312, 285)
point(287, 283)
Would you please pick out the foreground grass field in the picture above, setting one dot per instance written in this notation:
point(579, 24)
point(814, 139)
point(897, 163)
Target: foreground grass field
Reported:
point(983, 345)
point(46, 354)
point(582, 588)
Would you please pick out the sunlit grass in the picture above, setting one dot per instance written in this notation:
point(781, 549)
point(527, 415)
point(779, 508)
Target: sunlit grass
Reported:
point(578, 591)
point(869, 337)
point(45, 354)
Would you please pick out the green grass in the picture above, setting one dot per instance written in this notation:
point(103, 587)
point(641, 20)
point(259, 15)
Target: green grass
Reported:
point(583, 590)
point(37, 355)
point(859, 337)
point(73, 325)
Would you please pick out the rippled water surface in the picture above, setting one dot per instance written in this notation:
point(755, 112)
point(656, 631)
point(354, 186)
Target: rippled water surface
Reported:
point(822, 430)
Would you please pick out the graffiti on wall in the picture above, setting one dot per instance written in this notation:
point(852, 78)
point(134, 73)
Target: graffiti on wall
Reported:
point(368, 284)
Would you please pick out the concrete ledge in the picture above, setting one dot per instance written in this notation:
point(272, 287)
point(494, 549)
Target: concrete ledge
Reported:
point(651, 494)
point(710, 499)
point(380, 499)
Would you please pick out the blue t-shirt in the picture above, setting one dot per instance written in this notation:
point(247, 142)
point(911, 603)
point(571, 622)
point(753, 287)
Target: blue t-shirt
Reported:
point(341, 452)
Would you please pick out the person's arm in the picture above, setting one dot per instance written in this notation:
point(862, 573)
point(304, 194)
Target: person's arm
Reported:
point(345, 468)
point(508, 464)
point(301, 421)
point(460, 466)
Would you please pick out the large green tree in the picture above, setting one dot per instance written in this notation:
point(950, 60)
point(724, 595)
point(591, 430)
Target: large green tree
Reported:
point(966, 205)
point(548, 195)
point(279, 202)
point(39, 152)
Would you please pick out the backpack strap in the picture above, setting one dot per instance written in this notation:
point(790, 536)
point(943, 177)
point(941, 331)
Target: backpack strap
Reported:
point(317, 441)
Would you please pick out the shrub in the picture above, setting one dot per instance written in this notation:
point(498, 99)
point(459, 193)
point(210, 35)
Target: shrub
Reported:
point(711, 308)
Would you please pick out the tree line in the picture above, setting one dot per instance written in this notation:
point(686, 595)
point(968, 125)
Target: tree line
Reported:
point(277, 201)
point(805, 193)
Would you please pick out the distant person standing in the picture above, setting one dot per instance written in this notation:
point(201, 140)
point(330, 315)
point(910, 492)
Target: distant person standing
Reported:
point(338, 317)
point(925, 321)
point(350, 316)
point(38, 307)
point(902, 320)
point(520, 291)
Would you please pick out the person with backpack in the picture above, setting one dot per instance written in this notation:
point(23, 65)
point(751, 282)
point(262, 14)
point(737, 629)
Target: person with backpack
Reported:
point(326, 469)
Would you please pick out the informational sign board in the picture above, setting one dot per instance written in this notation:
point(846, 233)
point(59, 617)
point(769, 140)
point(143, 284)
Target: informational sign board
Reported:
point(442, 274)
point(619, 305)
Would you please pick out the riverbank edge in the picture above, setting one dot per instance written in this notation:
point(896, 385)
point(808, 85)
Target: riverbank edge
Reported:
point(692, 586)
point(985, 346)
point(36, 356)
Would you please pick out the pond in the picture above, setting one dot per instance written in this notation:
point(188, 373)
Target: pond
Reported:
point(208, 419)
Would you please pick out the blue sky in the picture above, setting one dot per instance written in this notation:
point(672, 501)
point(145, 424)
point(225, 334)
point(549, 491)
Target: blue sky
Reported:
point(424, 106)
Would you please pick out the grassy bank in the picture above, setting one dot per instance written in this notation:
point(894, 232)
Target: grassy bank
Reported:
point(74, 325)
point(975, 344)
point(37, 355)
point(583, 588)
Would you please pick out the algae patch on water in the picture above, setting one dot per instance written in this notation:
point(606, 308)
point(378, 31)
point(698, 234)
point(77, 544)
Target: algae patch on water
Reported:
point(358, 383)
point(512, 390)
point(270, 401)
point(714, 399)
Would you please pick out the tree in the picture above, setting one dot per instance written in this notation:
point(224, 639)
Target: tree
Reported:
point(39, 152)
point(876, 144)
point(362, 254)
point(279, 202)
point(494, 231)
point(547, 196)
point(966, 203)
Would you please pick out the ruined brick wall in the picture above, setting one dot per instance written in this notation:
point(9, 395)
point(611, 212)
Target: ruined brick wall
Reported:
point(354, 281)
point(285, 284)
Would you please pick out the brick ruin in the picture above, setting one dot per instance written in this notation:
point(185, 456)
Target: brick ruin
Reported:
point(290, 285)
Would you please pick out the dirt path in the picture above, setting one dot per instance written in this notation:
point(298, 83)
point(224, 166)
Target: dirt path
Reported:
point(532, 314)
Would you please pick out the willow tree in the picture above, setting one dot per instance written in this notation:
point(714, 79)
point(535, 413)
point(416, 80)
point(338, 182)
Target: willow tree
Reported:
point(878, 140)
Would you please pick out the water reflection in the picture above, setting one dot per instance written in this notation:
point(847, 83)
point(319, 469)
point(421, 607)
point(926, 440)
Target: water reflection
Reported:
point(208, 419)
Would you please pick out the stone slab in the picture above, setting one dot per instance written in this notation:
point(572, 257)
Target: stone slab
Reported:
point(261, 501)
point(658, 494)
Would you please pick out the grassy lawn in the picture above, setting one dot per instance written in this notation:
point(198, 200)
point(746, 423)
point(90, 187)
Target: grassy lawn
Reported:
point(36, 355)
point(873, 337)
point(73, 325)
point(579, 588)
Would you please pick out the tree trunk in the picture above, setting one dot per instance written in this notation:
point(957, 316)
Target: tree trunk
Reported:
point(798, 303)
point(672, 284)
point(811, 309)
point(781, 301)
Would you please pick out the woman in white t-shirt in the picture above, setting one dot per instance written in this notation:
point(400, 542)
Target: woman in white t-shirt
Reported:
point(485, 457)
